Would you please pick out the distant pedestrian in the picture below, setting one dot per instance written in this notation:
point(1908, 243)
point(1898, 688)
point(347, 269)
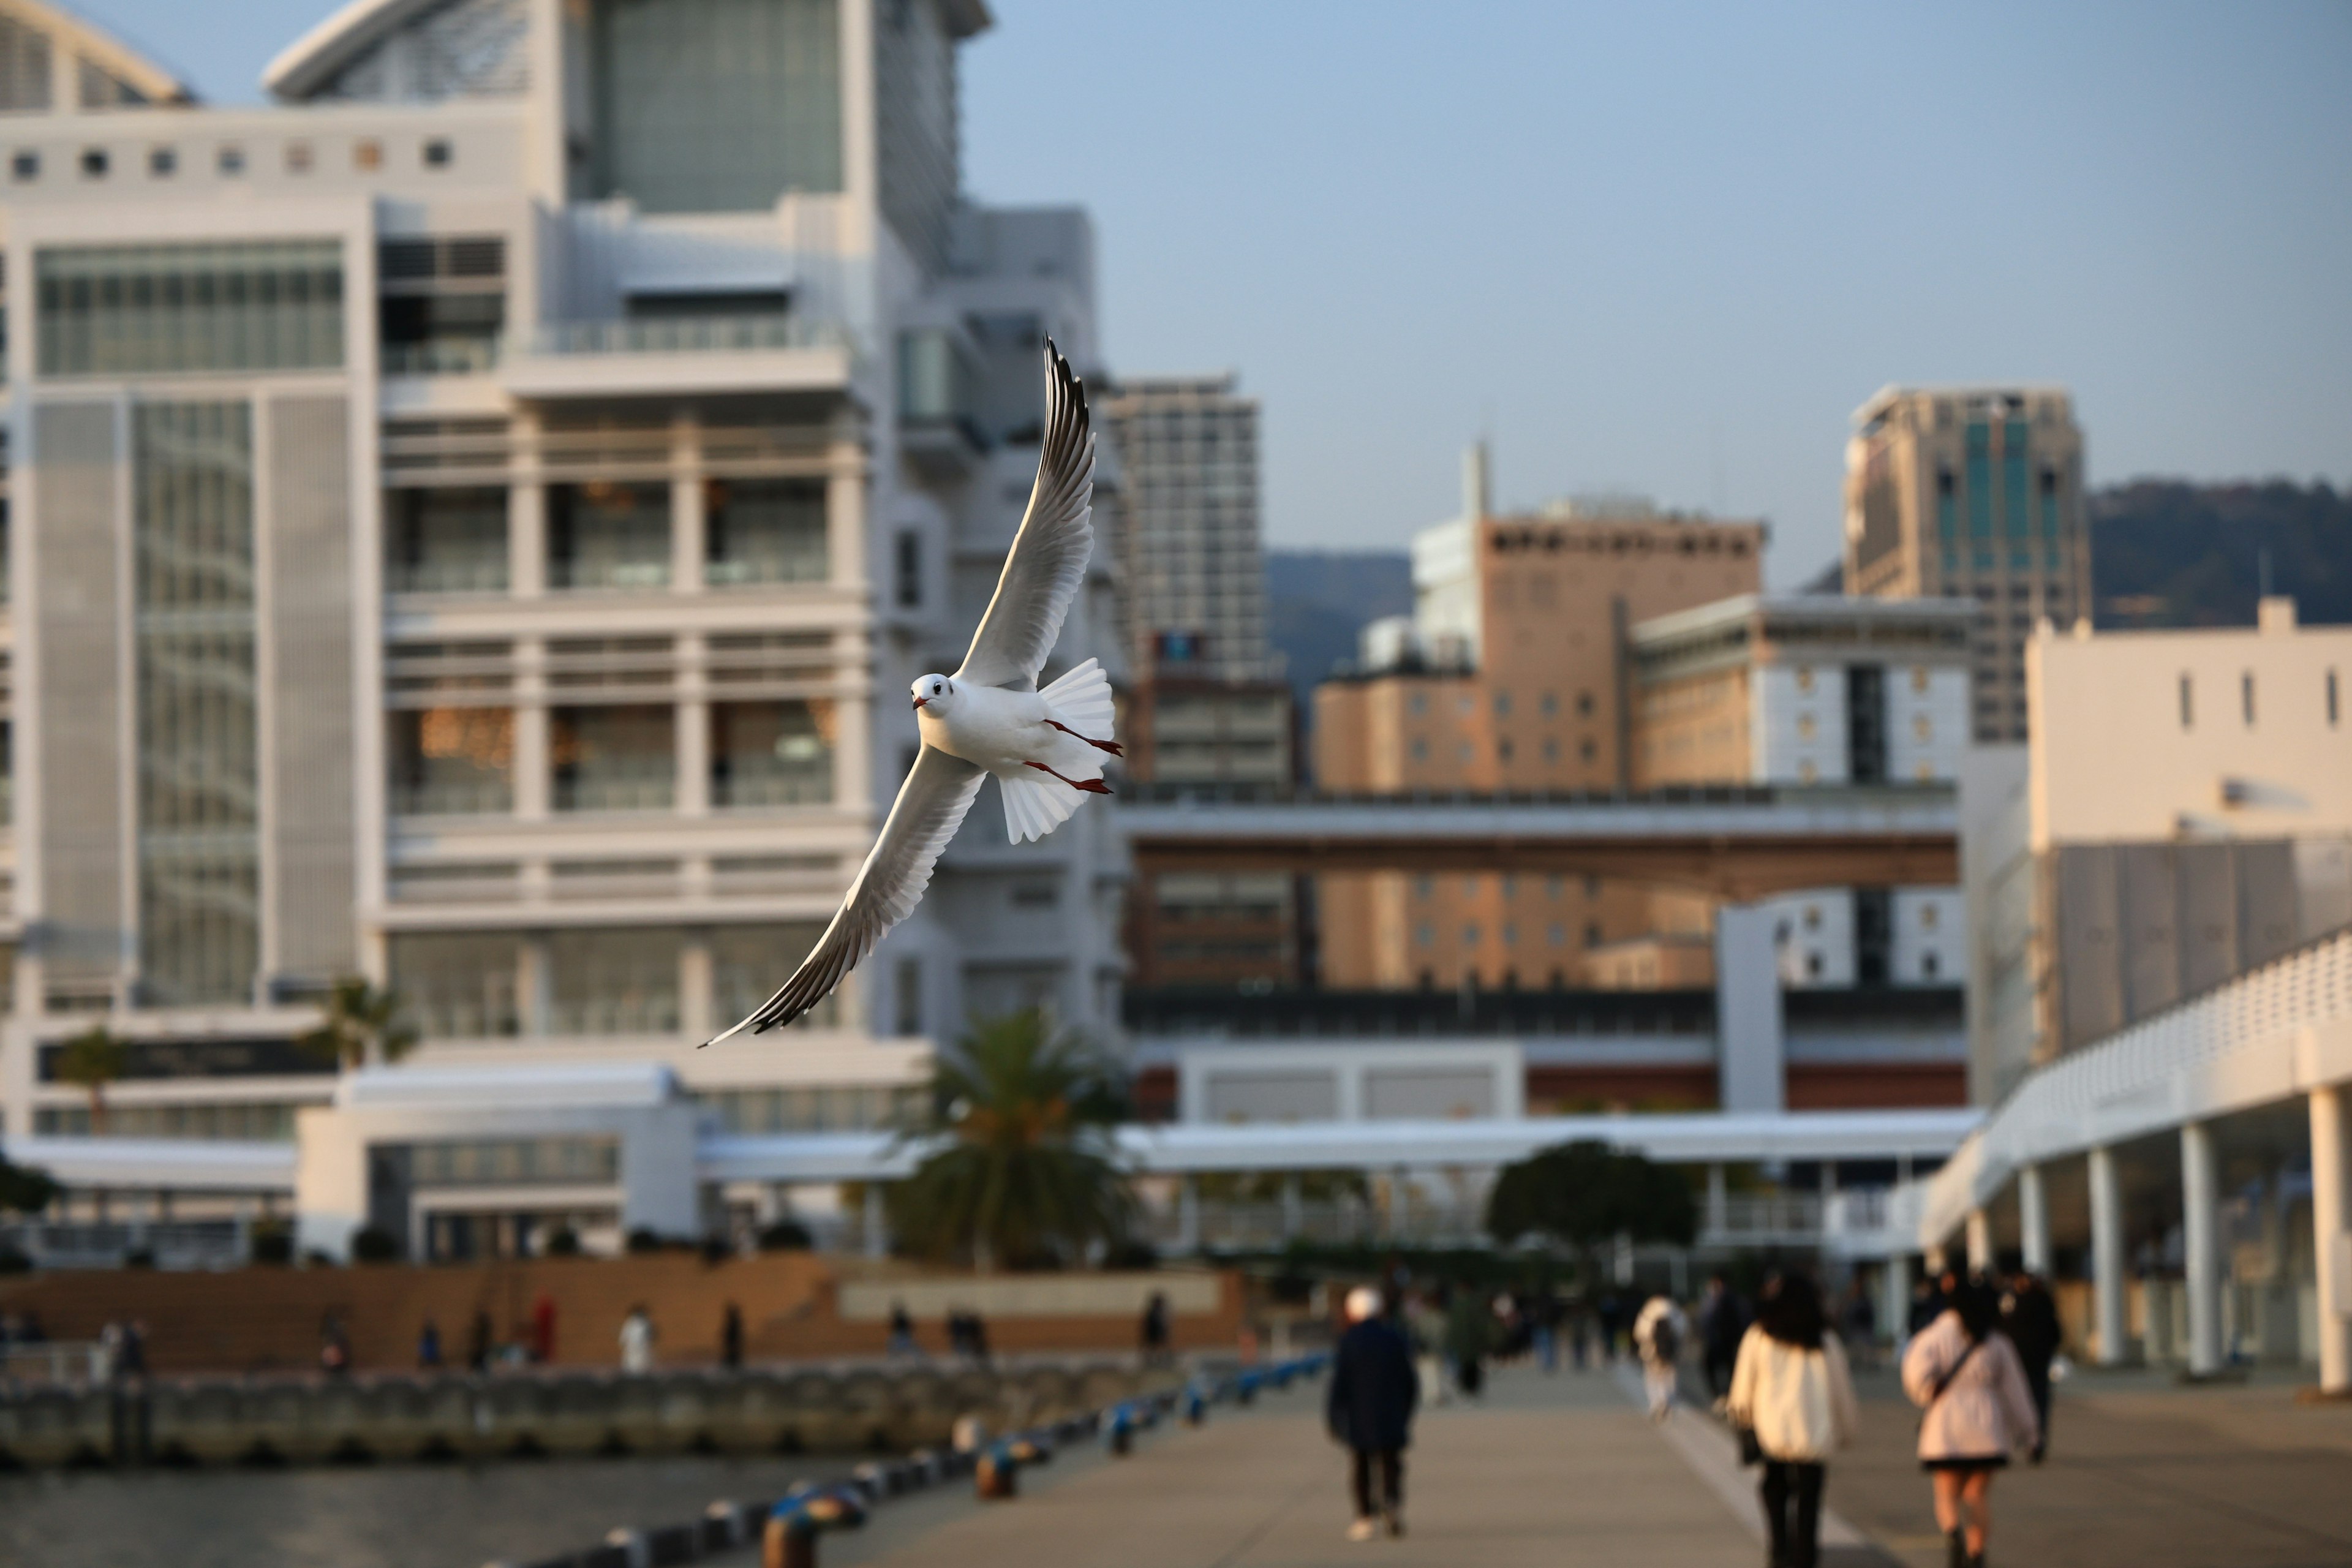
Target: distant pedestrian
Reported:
point(1611, 1311)
point(1545, 1316)
point(730, 1337)
point(1373, 1392)
point(637, 1340)
point(1791, 1388)
point(542, 1329)
point(134, 1350)
point(1425, 1328)
point(334, 1345)
point(1858, 1325)
point(1722, 1321)
point(482, 1343)
point(902, 1332)
point(428, 1346)
point(1963, 1373)
point(1153, 1333)
point(1658, 1341)
point(2029, 1315)
point(1469, 1338)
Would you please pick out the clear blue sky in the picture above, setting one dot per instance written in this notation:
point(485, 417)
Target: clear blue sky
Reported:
point(1664, 247)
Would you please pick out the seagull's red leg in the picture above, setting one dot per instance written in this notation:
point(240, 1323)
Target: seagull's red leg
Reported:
point(1113, 747)
point(1092, 786)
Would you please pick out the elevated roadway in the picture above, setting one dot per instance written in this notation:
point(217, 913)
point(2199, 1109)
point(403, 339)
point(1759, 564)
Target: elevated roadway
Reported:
point(1739, 843)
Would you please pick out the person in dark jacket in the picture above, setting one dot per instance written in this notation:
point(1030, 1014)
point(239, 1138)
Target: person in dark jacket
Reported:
point(1374, 1389)
point(2029, 1315)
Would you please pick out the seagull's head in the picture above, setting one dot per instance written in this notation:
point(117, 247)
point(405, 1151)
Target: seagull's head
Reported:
point(935, 694)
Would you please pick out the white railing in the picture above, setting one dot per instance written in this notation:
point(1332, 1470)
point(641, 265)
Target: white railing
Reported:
point(687, 334)
point(169, 1244)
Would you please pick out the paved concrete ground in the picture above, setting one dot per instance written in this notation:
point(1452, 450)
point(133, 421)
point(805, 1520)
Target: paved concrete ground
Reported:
point(2142, 1474)
point(1565, 1470)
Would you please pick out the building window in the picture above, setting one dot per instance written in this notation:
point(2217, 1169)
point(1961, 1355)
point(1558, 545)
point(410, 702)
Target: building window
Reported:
point(1921, 728)
point(1813, 967)
point(613, 982)
point(1470, 934)
point(1557, 934)
point(1930, 965)
point(1550, 704)
point(1927, 917)
point(618, 758)
point(1806, 725)
point(1592, 934)
point(93, 163)
point(163, 163)
point(1503, 750)
point(2188, 704)
point(445, 541)
point(297, 157)
point(157, 309)
point(1420, 750)
point(449, 761)
point(1919, 677)
point(441, 306)
point(230, 160)
point(367, 154)
point(1502, 704)
point(911, 569)
point(1584, 704)
point(438, 154)
point(198, 766)
point(772, 530)
point(1424, 886)
point(2246, 695)
point(25, 166)
point(458, 985)
point(1424, 935)
point(1588, 751)
point(771, 753)
point(604, 534)
point(1804, 678)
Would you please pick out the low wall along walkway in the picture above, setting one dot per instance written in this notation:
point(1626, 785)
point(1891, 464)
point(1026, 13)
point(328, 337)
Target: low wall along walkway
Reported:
point(795, 1306)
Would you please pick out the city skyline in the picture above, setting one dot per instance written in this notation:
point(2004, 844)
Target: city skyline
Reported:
point(2137, 202)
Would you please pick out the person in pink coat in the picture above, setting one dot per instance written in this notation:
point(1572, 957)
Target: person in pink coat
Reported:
point(1963, 1373)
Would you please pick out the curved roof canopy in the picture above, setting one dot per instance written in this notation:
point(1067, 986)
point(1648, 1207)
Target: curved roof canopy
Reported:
point(100, 50)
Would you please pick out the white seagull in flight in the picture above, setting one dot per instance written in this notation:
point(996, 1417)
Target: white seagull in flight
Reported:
point(988, 717)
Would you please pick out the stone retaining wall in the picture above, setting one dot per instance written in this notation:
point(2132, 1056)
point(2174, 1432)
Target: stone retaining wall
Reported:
point(219, 1421)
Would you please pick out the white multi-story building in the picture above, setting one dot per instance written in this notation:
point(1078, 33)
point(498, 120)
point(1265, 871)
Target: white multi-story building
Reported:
point(474, 523)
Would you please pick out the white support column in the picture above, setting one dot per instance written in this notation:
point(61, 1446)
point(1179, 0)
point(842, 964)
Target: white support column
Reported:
point(1979, 1238)
point(2107, 1256)
point(2331, 1224)
point(1748, 1011)
point(1895, 1299)
point(1188, 1215)
point(2200, 1197)
point(1719, 1201)
point(2033, 1220)
point(877, 1224)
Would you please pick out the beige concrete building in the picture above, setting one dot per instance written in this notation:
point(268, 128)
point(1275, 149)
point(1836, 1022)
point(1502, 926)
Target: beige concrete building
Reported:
point(1512, 678)
point(2183, 815)
point(1972, 493)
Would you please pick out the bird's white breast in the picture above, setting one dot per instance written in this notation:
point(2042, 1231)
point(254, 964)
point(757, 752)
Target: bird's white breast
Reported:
point(991, 727)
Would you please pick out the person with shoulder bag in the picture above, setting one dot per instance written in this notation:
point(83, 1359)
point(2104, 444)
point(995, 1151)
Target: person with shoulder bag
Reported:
point(1793, 1401)
point(1965, 1376)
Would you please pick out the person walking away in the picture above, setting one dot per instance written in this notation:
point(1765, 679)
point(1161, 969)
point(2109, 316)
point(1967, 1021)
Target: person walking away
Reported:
point(1545, 1314)
point(1791, 1388)
point(428, 1346)
point(1963, 1373)
point(902, 1332)
point(1658, 1341)
point(730, 1337)
point(1859, 1328)
point(1722, 1321)
point(1469, 1337)
point(2029, 1317)
point(1153, 1333)
point(542, 1329)
point(637, 1340)
point(1373, 1394)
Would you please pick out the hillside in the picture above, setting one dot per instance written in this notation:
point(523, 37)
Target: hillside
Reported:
point(2168, 553)
point(1316, 599)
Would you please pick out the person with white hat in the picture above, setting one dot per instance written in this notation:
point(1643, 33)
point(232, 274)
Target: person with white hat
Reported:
point(1373, 1392)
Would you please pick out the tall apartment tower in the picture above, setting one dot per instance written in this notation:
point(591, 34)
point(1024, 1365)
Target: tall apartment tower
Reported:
point(474, 521)
point(1516, 675)
point(1195, 574)
point(1973, 492)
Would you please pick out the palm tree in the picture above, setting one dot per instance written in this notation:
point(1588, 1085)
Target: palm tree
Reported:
point(363, 1026)
point(1023, 1174)
point(91, 1060)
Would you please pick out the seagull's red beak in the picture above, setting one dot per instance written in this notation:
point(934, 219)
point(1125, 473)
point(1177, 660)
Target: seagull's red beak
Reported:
point(922, 701)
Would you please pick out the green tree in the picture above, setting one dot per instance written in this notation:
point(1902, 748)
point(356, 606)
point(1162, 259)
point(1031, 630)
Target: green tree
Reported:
point(90, 1062)
point(1024, 1174)
point(362, 1026)
point(1585, 1194)
point(23, 1190)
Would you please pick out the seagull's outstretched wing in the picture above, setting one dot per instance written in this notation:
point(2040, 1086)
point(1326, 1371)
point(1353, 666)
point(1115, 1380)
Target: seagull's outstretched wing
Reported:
point(1048, 559)
point(930, 807)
